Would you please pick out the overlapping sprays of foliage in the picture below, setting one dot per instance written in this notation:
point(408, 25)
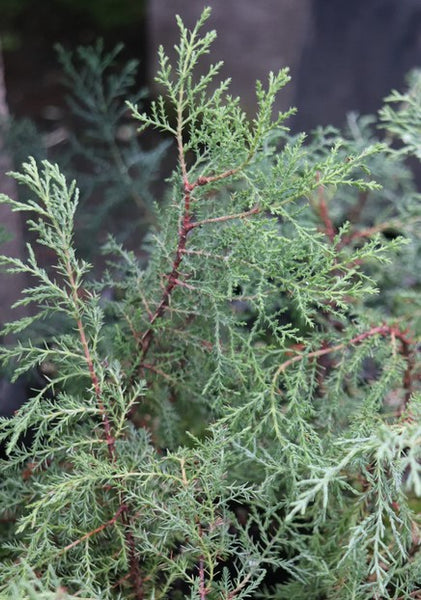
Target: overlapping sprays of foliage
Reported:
point(241, 420)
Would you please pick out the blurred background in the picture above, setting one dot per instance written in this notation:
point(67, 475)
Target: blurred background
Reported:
point(344, 55)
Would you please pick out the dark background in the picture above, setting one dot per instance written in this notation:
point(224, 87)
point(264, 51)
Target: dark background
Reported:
point(29, 30)
point(346, 55)
point(359, 51)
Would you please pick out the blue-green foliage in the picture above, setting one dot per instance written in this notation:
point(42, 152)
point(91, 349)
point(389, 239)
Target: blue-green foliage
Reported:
point(106, 155)
point(241, 419)
point(101, 149)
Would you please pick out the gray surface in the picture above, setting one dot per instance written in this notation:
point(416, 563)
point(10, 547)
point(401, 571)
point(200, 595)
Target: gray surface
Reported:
point(10, 285)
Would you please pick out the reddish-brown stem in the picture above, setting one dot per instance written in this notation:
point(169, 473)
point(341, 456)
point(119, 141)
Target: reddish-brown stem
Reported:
point(213, 178)
point(364, 233)
point(11, 519)
point(380, 330)
point(120, 582)
point(173, 277)
point(182, 283)
point(133, 331)
point(134, 573)
point(329, 229)
point(156, 370)
point(90, 534)
point(203, 592)
point(122, 512)
point(94, 378)
point(369, 231)
point(239, 587)
point(242, 215)
point(324, 213)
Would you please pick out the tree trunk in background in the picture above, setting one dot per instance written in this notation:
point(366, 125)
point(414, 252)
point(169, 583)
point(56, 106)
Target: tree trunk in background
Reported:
point(254, 37)
point(10, 285)
point(344, 54)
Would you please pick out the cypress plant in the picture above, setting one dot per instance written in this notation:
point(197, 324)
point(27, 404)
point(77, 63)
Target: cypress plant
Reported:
point(241, 418)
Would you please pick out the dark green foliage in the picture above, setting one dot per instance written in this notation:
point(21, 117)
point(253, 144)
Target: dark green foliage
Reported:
point(114, 171)
point(3, 235)
point(107, 14)
point(241, 419)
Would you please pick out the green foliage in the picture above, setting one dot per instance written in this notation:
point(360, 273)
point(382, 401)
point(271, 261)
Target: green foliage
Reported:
point(3, 235)
point(12, 8)
point(114, 170)
point(241, 419)
point(404, 122)
point(106, 143)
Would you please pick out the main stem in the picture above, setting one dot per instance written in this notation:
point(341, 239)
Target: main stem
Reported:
point(185, 227)
point(89, 361)
point(123, 511)
point(174, 274)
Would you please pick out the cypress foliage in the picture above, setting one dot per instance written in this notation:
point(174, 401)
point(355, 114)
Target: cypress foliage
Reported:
point(241, 420)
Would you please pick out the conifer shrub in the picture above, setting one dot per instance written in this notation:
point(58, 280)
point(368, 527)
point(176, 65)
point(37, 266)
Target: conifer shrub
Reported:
point(241, 418)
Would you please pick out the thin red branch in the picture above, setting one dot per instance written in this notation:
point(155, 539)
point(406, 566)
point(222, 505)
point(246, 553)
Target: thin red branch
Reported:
point(381, 330)
point(364, 233)
point(122, 512)
point(10, 519)
point(239, 587)
point(90, 534)
point(369, 231)
point(182, 283)
point(94, 378)
point(187, 225)
point(156, 370)
point(133, 331)
point(323, 211)
point(173, 277)
point(214, 178)
point(203, 591)
point(134, 573)
point(242, 215)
